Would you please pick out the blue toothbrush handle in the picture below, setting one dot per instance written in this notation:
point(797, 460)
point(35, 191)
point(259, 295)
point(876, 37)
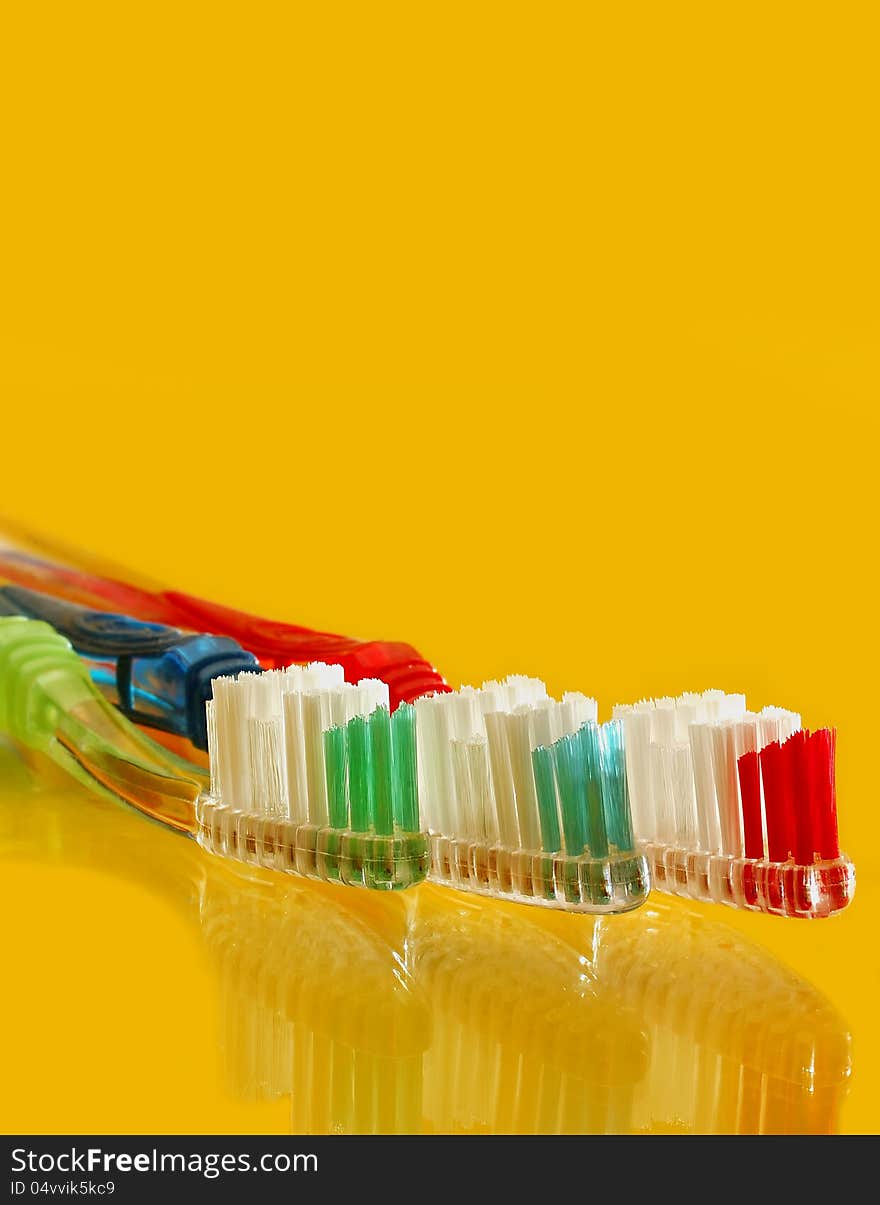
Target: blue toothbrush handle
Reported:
point(161, 676)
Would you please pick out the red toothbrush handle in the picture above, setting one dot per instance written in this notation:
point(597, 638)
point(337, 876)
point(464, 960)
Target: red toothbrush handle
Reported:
point(275, 644)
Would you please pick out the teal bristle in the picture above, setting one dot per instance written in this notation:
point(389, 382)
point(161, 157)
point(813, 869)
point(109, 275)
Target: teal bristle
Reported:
point(571, 778)
point(597, 837)
point(524, 797)
point(615, 793)
point(545, 784)
point(588, 771)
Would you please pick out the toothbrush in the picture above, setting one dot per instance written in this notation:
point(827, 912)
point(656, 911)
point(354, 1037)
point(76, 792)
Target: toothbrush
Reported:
point(525, 798)
point(736, 807)
point(273, 798)
point(158, 676)
point(67, 575)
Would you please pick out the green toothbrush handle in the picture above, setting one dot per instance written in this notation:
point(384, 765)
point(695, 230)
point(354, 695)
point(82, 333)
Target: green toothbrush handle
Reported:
point(49, 704)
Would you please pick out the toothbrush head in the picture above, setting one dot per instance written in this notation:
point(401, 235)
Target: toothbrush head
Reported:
point(736, 806)
point(311, 774)
point(526, 798)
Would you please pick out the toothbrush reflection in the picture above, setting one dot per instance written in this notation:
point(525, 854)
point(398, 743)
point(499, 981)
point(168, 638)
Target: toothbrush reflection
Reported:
point(318, 1003)
point(431, 1011)
point(525, 1038)
point(658, 1021)
point(738, 1043)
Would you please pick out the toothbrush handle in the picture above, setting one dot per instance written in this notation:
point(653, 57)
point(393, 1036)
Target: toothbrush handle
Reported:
point(49, 704)
point(162, 676)
point(275, 644)
point(406, 672)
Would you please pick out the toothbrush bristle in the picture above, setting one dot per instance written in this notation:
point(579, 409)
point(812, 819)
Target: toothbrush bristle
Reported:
point(303, 744)
point(684, 757)
point(476, 759)
point(311, 774)
point(798, 780)
point(734, 805)
point(526, 796)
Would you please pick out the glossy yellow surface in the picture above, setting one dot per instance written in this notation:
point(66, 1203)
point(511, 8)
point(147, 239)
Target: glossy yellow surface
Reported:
point(544, 337)
point(157, 987)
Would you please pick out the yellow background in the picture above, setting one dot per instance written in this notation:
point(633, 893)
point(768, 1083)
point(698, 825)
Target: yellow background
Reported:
point(543, 336)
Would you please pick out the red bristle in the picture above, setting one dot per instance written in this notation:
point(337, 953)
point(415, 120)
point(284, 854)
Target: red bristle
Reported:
point(777, 802)
point(823, 792)
point(795, 749)
point(750, 793)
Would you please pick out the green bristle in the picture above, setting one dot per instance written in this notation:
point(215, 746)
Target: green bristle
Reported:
point(597, 838)
point(405, 790)
point(358, 740)
point(570, 775)
point(380, 746)
point(545, 787)
point(615, 795)
point(334, 758)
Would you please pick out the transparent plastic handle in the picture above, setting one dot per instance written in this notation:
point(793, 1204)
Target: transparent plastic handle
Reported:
point(49, 704)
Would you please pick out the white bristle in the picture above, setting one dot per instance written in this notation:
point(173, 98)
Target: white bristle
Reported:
point(266, 736)
point(636, 720)
point(481, 790)
point(492, 696)
point(727, 788)
point(713, 699)
point(294, 739)
point(268, 766)
point(232, 770)
point(372, 693)
point(502, 778)
point(463, 708)
point(687, 712)
point(436, 785)
point(560, 719)
point(781, 722)
point(522, 690)
point(663, 722)
point(540, 727)
point(584, 710)
point(472, 819)
point(684, 796)
point(708, 822)
point(520, 754)
point(213, 759)
point(661, 791)
point(316, 718)
point(475, 746)
point(464, 820)
point(681, 757)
